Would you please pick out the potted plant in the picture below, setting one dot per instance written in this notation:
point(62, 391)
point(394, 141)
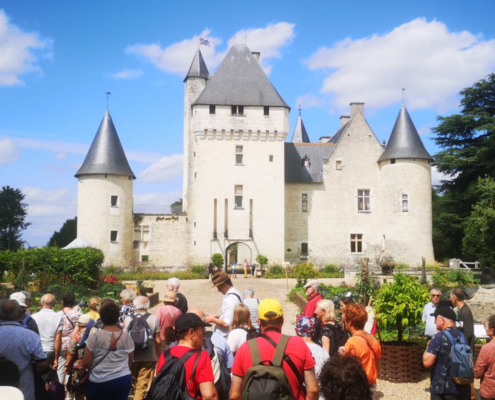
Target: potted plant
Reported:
point(399, 305)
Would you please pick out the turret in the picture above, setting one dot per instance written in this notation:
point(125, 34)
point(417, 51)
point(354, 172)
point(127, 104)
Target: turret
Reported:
point(300, 135)
point(105, 203)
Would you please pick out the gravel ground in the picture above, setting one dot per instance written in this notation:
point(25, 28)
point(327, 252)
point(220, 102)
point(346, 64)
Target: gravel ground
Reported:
point(202, 294)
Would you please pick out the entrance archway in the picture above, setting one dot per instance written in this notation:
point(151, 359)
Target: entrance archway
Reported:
point(237, 252)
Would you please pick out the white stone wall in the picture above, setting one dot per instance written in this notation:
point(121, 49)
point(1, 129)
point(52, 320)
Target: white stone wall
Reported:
point(96, 218)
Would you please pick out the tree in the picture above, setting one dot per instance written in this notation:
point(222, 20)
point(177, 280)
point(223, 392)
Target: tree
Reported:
point(13, 212)
point(262, 260)
point(479, 239)
point(467, 140)
point(176, 207)
point(65, 235)
point(217, 260)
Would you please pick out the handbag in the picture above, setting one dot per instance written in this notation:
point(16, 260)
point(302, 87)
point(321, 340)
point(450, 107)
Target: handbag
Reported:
point(56, 390)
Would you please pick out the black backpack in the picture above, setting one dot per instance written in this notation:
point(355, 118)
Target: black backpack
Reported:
point(140, 332)
point(223, 379)
point(339, 338)
point(170, 383)
point(251, 333)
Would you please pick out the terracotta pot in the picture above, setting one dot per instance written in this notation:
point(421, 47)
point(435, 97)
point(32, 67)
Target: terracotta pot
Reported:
point(401, 362)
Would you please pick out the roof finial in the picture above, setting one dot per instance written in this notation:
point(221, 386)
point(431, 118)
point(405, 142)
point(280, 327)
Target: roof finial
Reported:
point(199, 39)
point(108, 96)
point(403, 94)
point(299, 110)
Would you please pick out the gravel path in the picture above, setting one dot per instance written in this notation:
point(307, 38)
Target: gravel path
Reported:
point(202, 294)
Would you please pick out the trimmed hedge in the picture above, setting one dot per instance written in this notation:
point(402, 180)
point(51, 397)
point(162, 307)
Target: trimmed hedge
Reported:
point(51, 264)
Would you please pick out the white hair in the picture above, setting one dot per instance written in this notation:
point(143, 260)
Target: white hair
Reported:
point(127, 294)
point(435, 290)
point(141, 303)
point(249, 293)
point(175, 282)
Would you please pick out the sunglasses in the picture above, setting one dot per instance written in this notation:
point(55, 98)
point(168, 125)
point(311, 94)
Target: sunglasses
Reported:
point(436, 295)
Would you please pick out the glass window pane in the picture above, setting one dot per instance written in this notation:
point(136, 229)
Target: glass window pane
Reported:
point(238, 201)
point(238, 149)
point(240, 110)
point(238, 189)
point(359, 247)
point(234, 110)
point(238, 158)
point(353, 247)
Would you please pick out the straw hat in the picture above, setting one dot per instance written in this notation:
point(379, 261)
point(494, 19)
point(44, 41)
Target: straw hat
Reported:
point(219, 278)
point(170, 297)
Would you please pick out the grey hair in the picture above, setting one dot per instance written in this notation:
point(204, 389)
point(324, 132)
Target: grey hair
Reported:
point(141, 303)
point(175, 282)
point(26, 293)
point(127, 294)
point(248, 292)
point(10, 310)
point(435, 290)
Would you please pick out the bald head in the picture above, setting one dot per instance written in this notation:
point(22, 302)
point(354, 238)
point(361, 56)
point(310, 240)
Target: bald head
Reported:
point(197, 311)
point(47, 301)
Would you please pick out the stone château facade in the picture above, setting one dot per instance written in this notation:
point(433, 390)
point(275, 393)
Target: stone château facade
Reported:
point(247, 188)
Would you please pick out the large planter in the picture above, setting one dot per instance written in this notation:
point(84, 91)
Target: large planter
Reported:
point(300, 301)
point(153, 298)
point(401, 362)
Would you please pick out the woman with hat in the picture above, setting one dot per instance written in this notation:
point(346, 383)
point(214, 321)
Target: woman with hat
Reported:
point(75, 354)
point(167, 315)
point(305, 329)
point(189, 331)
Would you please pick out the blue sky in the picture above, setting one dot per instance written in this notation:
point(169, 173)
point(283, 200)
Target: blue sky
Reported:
point(58, 59)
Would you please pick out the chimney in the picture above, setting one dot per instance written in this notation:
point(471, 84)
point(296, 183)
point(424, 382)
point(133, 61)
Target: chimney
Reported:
point(355, 107)
point(256, 55)
point(344, 119)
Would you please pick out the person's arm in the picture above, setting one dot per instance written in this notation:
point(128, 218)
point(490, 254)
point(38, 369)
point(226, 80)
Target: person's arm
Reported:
point(325, 343)
point(215, 320)
point(482, 364)
point(131, 358)
point(312, 390)
point(429, 359)
point(88, 358)
point(208, 391)
point(236, 387)
point(158, 344)
point(58, 347)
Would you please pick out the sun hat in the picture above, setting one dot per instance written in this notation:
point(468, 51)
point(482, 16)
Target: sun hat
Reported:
point(170, 297)
point(20, 298)
point(311, 283)
point(219, 278)
point(187, 321)
point(305, 326)
point(84, 319)
point(270, 305)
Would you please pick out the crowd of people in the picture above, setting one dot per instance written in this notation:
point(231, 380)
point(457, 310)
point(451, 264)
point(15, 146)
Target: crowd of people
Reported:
point(115, 349)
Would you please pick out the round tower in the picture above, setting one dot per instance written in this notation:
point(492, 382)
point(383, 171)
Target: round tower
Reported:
point(406, 194)
point(105, 197)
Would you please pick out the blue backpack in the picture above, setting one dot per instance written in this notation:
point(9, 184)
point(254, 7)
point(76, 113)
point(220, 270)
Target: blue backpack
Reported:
point(461, 368)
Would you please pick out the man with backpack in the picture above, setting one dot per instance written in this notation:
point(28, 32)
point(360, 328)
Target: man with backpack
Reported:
point(273, 365)
point(144, 330)
point(449, 357)
point(232, 299)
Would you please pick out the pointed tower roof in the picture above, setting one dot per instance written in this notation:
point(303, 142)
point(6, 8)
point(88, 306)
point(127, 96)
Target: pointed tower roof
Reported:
point(106, 155)
point(404, 141)
point(198, 67)
point(240, 80)
point(300, 135)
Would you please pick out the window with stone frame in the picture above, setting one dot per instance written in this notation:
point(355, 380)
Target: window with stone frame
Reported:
point(304, 249)
point(238, 196)
point(114, 236)
point(237, 110)
point(364, 203)
point(213, 109)
point(405, 203)
point(266, 110)
point(338, 164)
point(356, 243)
point(114, 201)
point(304, 202)
point(239, 155)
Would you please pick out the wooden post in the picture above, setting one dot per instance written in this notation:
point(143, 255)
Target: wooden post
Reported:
point(287, 280)
point(423, 269)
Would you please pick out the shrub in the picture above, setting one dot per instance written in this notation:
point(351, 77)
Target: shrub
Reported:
point(330, 271)
point(217, 260)
point(261, 259)
point(303, 272)
point(453, 278)
point(275, 272)
point(198, 269)
point(401, 267)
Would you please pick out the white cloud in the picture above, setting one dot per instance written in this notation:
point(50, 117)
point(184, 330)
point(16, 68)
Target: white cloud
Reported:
point(165, 169)
point(60, 156)
point(35, 194)
point(425, 130)
point(8, 151)
point(176, 58)
point(155, 202)
point(309, 101)
point(19, 52)
point(432, 63)
point(128, 74)
point(44, 203)
point(437, 177)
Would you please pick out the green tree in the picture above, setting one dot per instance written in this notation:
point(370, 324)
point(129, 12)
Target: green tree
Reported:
point(65, 235)
point(13, 213)
point(176, 207)
point(261, 259)
point(467, 140)
point(217, 260)
point(479, 239)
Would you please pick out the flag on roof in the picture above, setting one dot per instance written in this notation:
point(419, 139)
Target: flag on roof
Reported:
point(204, 42)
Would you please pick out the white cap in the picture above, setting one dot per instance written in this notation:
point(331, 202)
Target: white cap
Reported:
point(11, 393)
point(20, 298)
point(313, 282)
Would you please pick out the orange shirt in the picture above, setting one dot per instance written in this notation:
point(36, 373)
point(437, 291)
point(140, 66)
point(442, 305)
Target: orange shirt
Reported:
point(368, 350)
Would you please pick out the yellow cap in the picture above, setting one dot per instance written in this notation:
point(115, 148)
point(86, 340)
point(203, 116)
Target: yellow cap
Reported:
point(270, 305)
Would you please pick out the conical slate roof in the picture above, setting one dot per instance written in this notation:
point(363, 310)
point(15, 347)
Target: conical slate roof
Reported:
point(300, 135)
point(198, 67)
point(240, 80)
point(404, 141)
point(106, 155)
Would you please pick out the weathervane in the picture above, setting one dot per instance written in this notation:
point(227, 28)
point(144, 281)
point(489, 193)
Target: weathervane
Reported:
point(108, 97)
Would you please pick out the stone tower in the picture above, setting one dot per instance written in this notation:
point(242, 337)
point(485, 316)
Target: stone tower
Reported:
point(406, 194)
point(105, 203)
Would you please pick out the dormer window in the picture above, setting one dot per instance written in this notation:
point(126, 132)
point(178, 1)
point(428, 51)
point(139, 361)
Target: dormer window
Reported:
point(237, 110)
point(305, 162)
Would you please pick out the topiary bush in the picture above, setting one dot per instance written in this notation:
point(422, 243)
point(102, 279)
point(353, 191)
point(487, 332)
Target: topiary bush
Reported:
point(261, 259)
point(304, 272)
point(217, 260)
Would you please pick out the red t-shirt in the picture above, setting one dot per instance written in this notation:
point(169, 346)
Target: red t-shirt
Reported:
point(204, 372)
point(296, 349)
point(310, 308)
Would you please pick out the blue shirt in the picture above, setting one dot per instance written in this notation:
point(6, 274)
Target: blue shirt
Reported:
point(22, 347)
point(223, 350)
point(441, 382)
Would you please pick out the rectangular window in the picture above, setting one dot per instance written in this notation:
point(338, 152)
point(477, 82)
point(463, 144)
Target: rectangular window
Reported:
point(270, 158)
point(356, 243)
point(238, 196)
point(266, 110)
point(338, 164)
point(212, 109)
point(113, 236)
point(405, 203)
point(304, 249)
point(238, 155)
point(145, 259)
point(304, 202)
point(237, 110)
point(113, 200)
point(364, 200)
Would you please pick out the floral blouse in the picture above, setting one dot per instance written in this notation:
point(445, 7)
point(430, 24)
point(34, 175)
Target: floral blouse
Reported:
point(69, 321)
point(75, 350)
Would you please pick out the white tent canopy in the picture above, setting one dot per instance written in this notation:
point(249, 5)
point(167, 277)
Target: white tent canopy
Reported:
point(77, 243)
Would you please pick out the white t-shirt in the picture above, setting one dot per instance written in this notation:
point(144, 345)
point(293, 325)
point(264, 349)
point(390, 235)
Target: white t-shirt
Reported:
point(49, 322)
point(236, 338)
point(429, 319)
point(231, 300)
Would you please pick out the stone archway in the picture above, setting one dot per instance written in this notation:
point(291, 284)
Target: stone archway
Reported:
point(237, 252)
